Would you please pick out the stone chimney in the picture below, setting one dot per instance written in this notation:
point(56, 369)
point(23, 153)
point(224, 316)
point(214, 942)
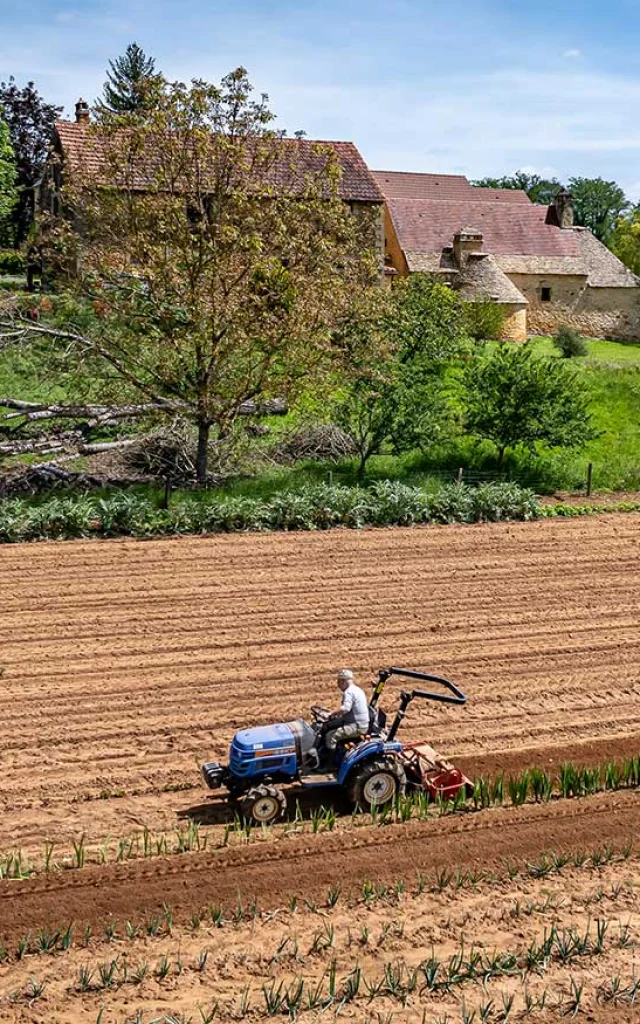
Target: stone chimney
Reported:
point(82, 112)
point(563, 206)
point(466, 241)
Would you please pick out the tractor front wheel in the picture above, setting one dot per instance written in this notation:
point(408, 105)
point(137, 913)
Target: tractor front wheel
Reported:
point(376, 783)
point(263, 805)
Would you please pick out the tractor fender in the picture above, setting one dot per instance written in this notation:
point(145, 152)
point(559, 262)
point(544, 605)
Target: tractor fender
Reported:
point(364, 751)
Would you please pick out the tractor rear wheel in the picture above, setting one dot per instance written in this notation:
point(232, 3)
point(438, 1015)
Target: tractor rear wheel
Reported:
point(376, 783)
point(263, 805)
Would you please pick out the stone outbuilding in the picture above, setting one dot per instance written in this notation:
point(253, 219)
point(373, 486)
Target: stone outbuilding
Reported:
point(496, 244)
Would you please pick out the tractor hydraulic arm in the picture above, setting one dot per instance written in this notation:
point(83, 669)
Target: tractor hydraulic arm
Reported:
point(455, 695)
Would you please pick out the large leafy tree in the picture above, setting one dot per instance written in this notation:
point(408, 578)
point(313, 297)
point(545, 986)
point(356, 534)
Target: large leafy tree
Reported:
point(597, 204)
point(30, 121)
point(211, 262)
point(540, 190)
point(132, 83)
point(8, 194)
point(625, 240)
point(514, 397)
point(396, 397)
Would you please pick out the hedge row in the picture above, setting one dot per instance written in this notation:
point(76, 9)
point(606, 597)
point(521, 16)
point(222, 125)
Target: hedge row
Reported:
point(315, 508)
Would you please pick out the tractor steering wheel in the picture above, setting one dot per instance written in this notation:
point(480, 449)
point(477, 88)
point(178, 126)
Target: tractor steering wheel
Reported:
point(320, 714)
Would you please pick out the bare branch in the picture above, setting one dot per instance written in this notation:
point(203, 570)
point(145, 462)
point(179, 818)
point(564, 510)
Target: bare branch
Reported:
point(100, 415)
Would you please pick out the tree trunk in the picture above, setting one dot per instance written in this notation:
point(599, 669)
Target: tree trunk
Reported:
point(501, 451)
point(202, 455)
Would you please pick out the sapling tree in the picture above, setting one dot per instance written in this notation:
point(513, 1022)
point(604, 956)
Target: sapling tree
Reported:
point(514, 397)
point(396, 396)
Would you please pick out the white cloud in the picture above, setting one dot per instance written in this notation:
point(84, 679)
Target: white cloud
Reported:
point(493, 109)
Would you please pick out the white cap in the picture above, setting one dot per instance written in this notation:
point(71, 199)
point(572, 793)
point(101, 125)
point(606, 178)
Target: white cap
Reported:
point(345, 675)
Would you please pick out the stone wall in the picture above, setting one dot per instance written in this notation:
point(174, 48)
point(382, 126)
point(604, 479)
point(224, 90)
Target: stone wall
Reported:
point(566, 289)
point(595, 312)
point(514, 327)
point(617, 325)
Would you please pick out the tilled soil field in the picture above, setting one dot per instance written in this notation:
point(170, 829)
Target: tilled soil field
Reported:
point(126, 664)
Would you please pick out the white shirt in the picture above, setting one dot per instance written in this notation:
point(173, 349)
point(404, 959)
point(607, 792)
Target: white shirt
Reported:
point(354, 699)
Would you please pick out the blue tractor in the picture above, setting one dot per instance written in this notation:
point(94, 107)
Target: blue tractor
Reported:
point(372, 771)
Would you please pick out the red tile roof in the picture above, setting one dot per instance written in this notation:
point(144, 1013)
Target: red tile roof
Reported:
point(407, 185)
point(300, 157)
point(501, 195)
point(517, 228)
point(410, 185)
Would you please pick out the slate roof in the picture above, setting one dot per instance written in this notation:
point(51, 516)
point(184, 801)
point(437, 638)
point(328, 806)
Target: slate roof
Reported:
point(603, 268)
point(481, 277)
point(410, 185)
point(297, 158)
point(542, 265)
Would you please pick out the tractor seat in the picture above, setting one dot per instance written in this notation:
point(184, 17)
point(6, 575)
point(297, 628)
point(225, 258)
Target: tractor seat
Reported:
point(377, 722)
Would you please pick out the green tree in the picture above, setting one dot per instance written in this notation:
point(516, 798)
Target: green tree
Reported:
point(597, 205)
point(8, 193)
point(210, 270)
point(514, 397)
point(625, 240)
point(132, 83)
point(539, 190)
point(397, 394)
point(30, 121)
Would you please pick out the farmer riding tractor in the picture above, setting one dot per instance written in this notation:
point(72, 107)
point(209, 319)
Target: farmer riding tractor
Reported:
point(373, 769)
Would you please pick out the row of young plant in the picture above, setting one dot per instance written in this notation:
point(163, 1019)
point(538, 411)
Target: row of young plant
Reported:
point(399, 981)
point(443, 880)
point(313, 508)
point(566, 511)
point(532, 784)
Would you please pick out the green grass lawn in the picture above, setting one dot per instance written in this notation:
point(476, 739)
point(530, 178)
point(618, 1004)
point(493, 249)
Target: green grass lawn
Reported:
point(612, 373)
point(610, 353)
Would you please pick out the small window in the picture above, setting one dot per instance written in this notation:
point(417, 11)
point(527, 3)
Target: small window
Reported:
point(545, 294)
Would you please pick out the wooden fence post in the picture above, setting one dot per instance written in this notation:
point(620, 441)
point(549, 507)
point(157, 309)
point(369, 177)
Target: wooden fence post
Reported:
point(167, 493)
point(589, 478)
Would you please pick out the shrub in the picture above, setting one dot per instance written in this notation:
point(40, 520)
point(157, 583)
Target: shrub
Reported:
point(484, 320)
point(11, 262)
point(569, 342)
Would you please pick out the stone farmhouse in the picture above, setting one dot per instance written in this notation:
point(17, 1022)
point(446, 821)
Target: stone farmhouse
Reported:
point(496, 244)
point(74, 148)
point(486, 243)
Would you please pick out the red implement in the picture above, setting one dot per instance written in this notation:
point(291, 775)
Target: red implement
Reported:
point(425, 768)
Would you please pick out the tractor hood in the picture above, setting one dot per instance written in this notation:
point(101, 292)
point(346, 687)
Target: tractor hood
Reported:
point(264, 741)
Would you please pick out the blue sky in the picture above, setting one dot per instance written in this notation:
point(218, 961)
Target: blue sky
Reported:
point(466, 87)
